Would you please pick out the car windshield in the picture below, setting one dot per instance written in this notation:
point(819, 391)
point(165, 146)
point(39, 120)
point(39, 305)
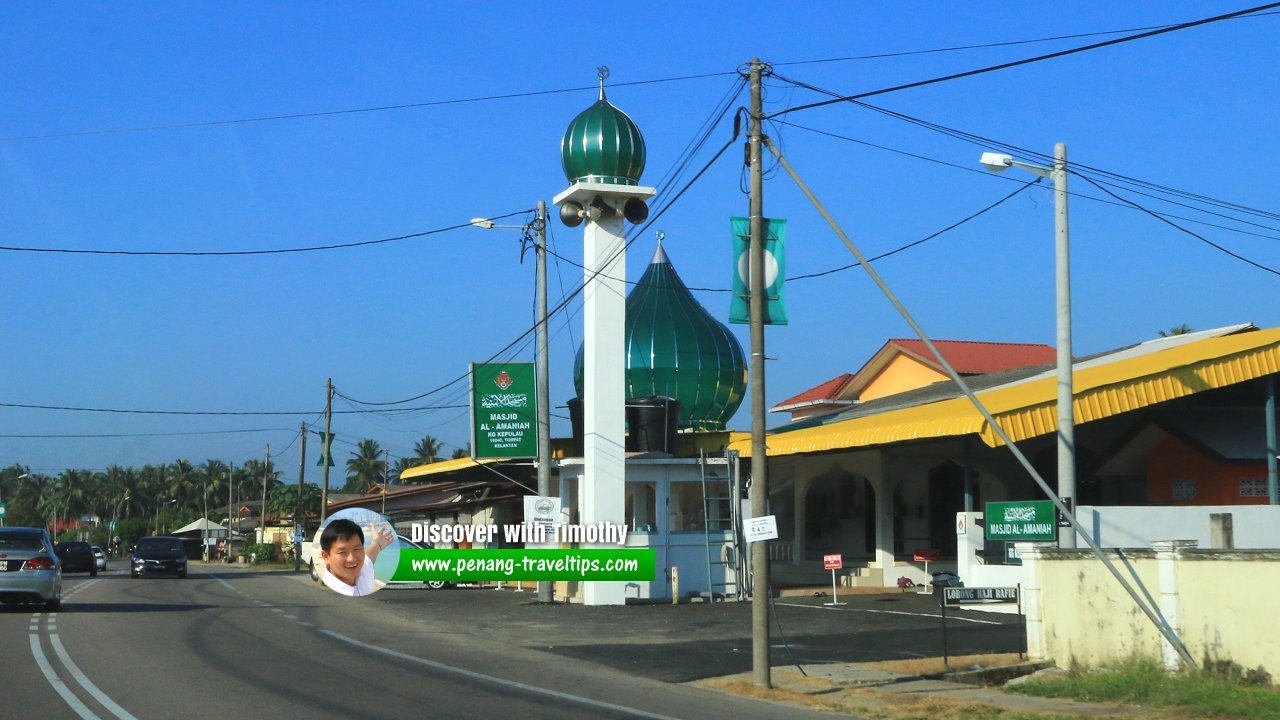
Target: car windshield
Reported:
point(16, 541)
point(159, 546)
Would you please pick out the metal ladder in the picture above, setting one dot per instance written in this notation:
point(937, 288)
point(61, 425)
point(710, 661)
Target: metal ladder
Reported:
point(730, 558)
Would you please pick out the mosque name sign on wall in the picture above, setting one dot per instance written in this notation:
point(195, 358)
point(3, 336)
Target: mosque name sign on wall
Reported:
point(503, 411)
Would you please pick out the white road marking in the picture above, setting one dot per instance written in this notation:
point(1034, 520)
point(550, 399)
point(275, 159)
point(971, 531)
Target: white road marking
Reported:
point(85, 682)
point(60, 687)
point(893, 612)
point(499, 681)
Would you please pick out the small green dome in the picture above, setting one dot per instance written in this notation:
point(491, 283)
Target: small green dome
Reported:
point(675, 348)
point(602, 145)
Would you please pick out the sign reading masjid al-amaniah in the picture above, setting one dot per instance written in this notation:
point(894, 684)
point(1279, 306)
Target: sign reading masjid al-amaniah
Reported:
point(503, 411)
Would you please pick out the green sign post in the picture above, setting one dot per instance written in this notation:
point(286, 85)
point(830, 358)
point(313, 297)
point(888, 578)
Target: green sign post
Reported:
point(503, 411)
point(1024, 520)
point(4, 509)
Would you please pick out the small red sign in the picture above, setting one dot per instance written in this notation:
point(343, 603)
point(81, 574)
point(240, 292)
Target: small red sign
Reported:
point(927, 555)
point(831, 562)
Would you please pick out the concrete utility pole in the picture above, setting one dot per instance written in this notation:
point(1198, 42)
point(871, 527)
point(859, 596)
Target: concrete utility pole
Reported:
point(299, 514)
point(544, 375)
point(231, 470)
point(759, 470)
point(324, 450)
point(1066, 392)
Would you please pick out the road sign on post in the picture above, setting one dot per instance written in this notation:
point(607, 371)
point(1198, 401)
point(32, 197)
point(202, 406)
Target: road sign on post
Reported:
point(833, 563)
point(1025, 520)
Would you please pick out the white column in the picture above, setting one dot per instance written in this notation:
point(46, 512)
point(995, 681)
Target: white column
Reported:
point(602, 497)
point(884, 526)
point(1167, 572)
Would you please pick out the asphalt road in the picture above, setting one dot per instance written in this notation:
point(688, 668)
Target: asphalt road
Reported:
point(229, 643)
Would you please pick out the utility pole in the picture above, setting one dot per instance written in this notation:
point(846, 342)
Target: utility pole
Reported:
point(386, 476)
point(1066, 393)
point(299, 514)
point(231, 472)
point(324, 450)
point(759, 469)
point(544, 376)
point(262, 512)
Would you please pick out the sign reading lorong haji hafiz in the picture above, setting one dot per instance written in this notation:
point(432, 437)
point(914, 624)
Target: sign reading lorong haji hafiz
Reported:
point(503, 411)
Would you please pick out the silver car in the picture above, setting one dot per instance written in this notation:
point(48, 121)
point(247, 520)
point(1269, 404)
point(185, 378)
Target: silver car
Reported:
point(30, 571)
point(99, 558)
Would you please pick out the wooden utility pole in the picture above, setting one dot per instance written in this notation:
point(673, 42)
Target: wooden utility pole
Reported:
point(324, 450)
point(299, 514)
point(759, 477)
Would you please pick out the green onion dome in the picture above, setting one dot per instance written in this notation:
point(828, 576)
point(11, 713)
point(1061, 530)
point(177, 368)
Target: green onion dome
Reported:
point(675, 348)
point(602, 145)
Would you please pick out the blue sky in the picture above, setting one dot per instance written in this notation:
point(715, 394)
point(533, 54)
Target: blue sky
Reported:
point(1193, 110)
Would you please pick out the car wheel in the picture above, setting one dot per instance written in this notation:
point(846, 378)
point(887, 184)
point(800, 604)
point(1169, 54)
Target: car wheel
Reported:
point(182, 575)
point(311, 565)
point(133, 575)
point(93, 572)
point(52, 605)
point(437, 584)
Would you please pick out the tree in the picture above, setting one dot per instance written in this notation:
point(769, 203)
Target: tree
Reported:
point(365, 468)
point(427, 450)
point(282, 500)
point(1182, 329)
point(462, 452)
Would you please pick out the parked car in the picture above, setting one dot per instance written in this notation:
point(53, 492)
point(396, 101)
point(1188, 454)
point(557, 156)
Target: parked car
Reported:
point(158, 555)
point(30, 570)
point(77, 556)
point(99, 557)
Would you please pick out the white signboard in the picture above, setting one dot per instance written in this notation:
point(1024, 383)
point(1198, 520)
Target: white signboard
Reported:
point(544, 513)
point(762, 528)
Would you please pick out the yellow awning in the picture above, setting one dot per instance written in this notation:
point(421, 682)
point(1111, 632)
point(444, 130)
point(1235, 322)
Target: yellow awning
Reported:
point(443, 466)
point(1029, 409)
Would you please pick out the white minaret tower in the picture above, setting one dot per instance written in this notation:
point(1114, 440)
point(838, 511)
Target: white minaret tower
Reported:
point(603, 157)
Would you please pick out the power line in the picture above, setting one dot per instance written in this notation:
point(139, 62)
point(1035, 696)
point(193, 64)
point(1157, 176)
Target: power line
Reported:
point(162, 434)
point(1167, 221)
point(352, 111)
point(986, 142)
point(1027, 61)
point(233, 253)
point(982, 46)
point(210, 412)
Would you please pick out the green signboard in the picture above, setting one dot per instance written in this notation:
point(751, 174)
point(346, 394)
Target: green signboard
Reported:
point(3, 509)
point(1022, 520)
point(503, 411)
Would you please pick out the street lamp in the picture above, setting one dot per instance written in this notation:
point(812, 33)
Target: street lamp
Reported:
point(999, 162)
point(539, 226)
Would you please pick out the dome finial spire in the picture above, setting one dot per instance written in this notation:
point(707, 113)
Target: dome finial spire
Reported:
point(602, 72)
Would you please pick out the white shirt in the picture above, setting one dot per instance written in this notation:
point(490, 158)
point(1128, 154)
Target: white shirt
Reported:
point(365, 582)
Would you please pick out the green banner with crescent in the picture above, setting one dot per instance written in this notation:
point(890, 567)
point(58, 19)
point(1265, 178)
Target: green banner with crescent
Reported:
point(775, 271)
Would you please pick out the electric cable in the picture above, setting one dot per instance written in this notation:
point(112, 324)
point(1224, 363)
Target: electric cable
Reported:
point(1167, 221)
point(160, 434)
point(234, 253)
point(1030, 60)
point(26, 406)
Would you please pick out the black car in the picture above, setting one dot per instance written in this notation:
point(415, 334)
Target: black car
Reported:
point(158, 555)
point(77, 557)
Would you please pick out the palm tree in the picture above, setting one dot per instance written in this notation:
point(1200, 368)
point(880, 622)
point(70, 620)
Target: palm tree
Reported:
point(462, 452)
point(427, 450)
point(1182, 329)
point(365, 468)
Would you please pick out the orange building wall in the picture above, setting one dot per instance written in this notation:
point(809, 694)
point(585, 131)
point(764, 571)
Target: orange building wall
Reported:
point(901, 374)
point(1217, 482)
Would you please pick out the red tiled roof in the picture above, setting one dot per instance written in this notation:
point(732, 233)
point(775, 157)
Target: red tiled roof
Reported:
point(975, 358)
point(829, 390)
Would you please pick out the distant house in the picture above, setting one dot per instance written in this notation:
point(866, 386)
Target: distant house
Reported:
point(906, 364)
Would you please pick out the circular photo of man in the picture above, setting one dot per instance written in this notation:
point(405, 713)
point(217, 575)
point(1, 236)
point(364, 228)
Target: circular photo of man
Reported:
point(357, 552)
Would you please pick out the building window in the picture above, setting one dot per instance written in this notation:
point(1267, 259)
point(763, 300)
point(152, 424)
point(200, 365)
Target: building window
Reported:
point(641, 512)
point(1184, 489)
point(688, 513)
point(1251, 487)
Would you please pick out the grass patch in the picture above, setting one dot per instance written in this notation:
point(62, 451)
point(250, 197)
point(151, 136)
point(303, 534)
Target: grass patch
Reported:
point(1146, 683)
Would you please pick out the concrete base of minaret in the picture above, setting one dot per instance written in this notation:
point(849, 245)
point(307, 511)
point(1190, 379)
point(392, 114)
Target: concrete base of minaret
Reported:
point(602, 496)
